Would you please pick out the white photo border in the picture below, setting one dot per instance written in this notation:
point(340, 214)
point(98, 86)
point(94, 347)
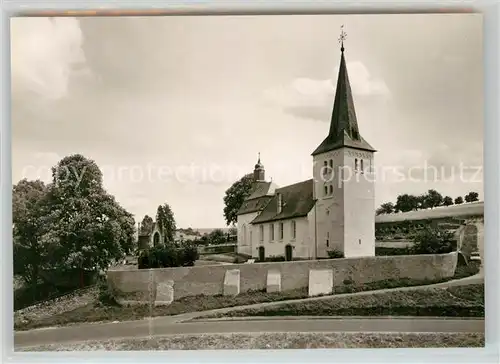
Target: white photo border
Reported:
point(491, 18)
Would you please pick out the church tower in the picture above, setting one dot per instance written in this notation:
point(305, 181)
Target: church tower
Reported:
point(259, 174)
point(344, 186)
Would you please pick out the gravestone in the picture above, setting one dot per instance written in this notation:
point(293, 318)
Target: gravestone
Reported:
point(232, 282)
point(273, 281)
point(320, 281)
point(164, 293)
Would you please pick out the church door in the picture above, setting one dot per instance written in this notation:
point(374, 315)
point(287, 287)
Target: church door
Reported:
point(288, 253)
point(262, 254)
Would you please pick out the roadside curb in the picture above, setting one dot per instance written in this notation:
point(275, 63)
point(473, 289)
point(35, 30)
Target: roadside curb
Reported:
point(292, 318)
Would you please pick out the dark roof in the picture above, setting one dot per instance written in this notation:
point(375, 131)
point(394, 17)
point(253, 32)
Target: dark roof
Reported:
point(344, 131)
point(259, 197)
point(297, 201)
point(254, 205)
point(259, 189)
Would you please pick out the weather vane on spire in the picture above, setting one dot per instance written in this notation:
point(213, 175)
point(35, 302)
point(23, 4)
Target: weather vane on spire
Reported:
point(343, 36)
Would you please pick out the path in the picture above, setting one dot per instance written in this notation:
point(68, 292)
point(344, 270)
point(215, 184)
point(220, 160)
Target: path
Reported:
point(180, 323)
point(159, 327)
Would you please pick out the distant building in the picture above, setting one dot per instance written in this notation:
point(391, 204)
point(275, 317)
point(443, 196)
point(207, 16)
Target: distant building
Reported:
point(310, 218)
point(149, 239)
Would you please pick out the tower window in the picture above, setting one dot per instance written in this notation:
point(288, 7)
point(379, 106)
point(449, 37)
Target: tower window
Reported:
point(327, 239)
point(356, 164)
point(326, 190)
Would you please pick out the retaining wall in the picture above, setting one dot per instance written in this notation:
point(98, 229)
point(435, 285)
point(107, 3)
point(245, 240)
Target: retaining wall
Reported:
point(141, 285)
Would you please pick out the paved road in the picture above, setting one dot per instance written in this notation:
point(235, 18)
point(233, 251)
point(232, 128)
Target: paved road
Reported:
point(167, 326)
point(175, 325)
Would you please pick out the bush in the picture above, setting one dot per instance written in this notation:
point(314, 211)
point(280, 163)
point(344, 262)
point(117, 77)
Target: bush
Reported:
point(384, 251)
point(433, 240)
point(167, 256)
point(105, 295)
point(335, 254)
point(274, 258)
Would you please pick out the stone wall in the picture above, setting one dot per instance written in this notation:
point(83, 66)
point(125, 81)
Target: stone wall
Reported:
point(141, 285)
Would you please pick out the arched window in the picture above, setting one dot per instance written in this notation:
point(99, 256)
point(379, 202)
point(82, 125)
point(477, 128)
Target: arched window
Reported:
point(362, 170)
point(331, 163)
point(331, 189)
point(326, 190)
point(356, 164)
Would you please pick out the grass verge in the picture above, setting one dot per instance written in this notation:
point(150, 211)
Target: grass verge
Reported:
point(110, 311)
point(279, 341)
point(461, 301)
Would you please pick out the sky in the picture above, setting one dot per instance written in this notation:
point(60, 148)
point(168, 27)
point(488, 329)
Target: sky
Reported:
point(175, 109)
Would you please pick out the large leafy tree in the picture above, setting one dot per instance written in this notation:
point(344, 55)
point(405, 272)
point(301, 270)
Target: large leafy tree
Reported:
point(459, 200)
point(92, 229)
point(433, 199)
point(235, 196)
point(406, 202)
point(166, 222)
point(31, 228)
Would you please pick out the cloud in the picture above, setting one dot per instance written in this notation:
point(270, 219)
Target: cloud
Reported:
point(312, 99)
point(46, 53)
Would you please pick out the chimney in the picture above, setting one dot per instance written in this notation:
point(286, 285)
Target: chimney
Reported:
point(280, 202)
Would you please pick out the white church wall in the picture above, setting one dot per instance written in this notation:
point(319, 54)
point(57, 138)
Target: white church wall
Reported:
point(330, 203)
point(359, 207)
point(275, 245)
point(246, 233)
point(345, 212)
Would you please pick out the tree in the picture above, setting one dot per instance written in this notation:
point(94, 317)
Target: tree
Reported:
point(433, 199)
point(235, 196)
point(385, 208)
point(459, 200)
point(166, 222)
point(233, 230)
point(31, 246)
point(406, 202)
point(147, 225)
point(471, 197)
point(433, 240)
point(447, 201)
point(216, 237)
point(422, 202)
point(92, 229)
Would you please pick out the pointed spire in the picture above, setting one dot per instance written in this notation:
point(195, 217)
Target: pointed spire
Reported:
point(344, 131)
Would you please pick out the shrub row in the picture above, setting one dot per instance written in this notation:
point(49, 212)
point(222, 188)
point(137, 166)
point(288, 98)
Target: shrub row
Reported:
point(167, 256)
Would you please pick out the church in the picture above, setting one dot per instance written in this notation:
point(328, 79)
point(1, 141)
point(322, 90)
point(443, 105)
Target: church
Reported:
point(332, 213)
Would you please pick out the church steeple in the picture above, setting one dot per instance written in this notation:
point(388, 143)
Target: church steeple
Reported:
point(344, 131)
point(259, 174)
